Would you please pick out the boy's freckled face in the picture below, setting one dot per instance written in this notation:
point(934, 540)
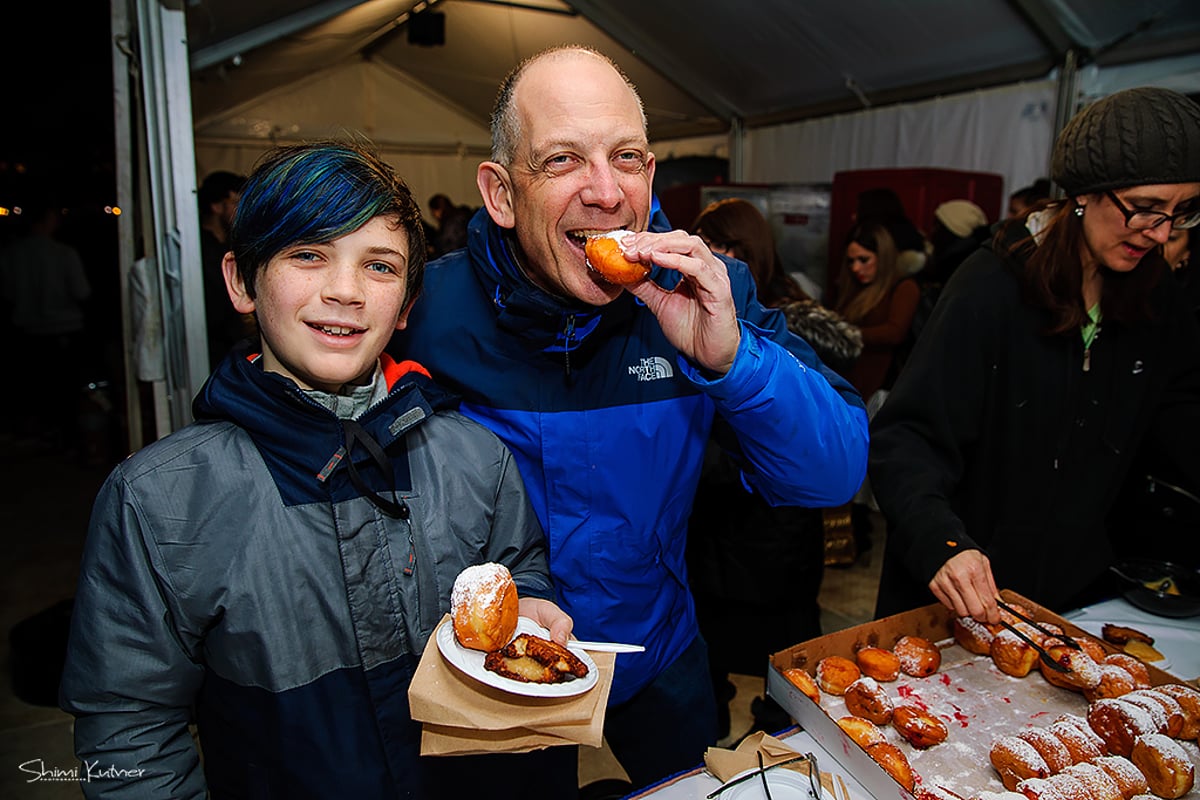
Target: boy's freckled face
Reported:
point(326, 311)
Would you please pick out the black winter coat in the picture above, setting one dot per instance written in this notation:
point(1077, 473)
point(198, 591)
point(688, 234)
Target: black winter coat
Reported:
point(996, 437)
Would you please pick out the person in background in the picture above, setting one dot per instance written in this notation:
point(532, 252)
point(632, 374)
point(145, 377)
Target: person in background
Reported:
point(44, 288)
point(1053, 354)
point(755, 568)
point(607, 394)
point(451, 222)
point(1178, 250)
point(217, 198)
point(1022, 201)
point(874, 294)
point(882, 206)
point(274, 570)
point(959, 227)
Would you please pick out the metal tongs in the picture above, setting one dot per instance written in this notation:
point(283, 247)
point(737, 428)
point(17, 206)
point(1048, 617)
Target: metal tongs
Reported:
point(814, 776)
point(1047, 659)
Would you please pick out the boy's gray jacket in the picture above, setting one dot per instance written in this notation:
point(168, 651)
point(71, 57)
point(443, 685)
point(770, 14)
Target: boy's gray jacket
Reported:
point(259, 573)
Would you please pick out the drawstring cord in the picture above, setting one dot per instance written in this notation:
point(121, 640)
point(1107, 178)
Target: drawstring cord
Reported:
point(393, 507)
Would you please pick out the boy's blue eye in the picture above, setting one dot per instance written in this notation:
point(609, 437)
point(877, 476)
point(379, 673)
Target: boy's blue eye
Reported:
point(379, 266)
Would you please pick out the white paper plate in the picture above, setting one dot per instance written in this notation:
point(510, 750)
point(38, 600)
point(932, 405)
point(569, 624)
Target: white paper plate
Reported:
point(470, 662)
point(785, 784)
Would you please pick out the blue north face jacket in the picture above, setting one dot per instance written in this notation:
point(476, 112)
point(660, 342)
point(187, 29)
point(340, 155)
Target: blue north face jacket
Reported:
point(608, 424)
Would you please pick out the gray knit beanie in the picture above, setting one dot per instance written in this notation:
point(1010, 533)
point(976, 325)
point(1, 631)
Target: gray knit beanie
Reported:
point(1136, 137)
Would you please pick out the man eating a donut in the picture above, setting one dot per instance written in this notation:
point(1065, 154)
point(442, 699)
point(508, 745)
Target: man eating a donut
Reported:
point(607, 393)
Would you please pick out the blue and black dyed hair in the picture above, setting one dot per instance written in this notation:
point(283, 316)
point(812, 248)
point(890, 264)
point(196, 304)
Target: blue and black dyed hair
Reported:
point(315, 193)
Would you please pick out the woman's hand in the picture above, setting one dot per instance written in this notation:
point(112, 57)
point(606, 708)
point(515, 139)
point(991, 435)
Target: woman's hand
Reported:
point(965, 585)
point(549, 616)
point(698, 316)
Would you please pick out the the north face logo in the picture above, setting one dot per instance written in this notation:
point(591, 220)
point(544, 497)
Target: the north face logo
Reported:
point(654, 368)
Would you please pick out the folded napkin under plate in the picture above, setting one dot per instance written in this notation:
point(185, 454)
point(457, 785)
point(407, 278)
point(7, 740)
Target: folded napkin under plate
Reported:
point(461, 716)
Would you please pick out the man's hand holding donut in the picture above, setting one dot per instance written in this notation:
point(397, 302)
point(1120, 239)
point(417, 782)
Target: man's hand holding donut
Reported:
point(698, 316)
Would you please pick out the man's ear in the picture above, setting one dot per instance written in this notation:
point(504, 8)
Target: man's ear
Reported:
point(495, 185)
point(402, 320)
point(241, 299)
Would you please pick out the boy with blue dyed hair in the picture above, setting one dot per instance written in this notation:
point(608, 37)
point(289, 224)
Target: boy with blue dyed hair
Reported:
point(273, 571)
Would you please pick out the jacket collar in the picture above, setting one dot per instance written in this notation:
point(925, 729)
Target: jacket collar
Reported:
point(295, 429)
point(556, 324)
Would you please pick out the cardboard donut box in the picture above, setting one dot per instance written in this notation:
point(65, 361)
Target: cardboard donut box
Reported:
point(933, 622)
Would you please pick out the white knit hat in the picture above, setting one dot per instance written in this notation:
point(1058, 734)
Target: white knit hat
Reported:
point(960, 217)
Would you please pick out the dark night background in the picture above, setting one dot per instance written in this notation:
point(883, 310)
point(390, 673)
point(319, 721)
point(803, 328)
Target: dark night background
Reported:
point(56, 145)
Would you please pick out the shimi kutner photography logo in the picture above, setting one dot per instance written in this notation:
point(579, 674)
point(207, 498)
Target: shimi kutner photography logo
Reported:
point(37, 770)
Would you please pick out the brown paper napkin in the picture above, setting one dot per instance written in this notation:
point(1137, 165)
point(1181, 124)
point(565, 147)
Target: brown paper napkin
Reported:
point(724, 764)
point(462, 716)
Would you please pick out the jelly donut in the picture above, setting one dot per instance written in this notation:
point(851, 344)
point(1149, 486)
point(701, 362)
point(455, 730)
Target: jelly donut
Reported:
point(1016, 760)
point(1100, 785)
point(1130, 780)
point(866, 698)
point(604, 256)
point(1049, 747)
point(1080, 745)
point(864, 732)
point(1168, 769)
point(483, 607)
point(1085, 730)
point(1082, 670)
point(804, 682)
point(1172, 712)
point(1115, 681)
point(1119, 723)
point(1136, 669)
point(1013, 655)
point(835, 674)
point(1189, 704)
point(973, 636)
point(894, 763)
point(875, 662)
point(917, 726)
point(1093, 648)
point(919, 657)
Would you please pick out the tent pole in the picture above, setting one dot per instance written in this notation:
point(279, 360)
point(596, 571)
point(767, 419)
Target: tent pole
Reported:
point(1068, 90)
point(737, 155)
point(122, 124)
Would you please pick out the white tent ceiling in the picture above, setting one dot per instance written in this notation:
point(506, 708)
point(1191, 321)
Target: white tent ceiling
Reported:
point(699, 64)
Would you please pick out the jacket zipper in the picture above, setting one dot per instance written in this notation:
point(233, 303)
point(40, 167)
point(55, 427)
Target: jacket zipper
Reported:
point(1087, 350)
point(569, 333)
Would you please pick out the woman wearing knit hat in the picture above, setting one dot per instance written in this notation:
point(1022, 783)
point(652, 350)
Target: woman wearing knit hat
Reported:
point(1053, 353)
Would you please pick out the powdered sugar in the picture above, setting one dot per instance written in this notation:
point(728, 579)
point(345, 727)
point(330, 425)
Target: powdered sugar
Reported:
point(1165, 745)
point(481, 583)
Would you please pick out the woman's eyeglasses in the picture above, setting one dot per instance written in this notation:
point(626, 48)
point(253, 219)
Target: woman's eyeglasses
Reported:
point(1140, 220)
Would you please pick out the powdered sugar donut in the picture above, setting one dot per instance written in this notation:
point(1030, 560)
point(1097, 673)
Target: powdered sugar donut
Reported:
point(484, 607)
point(919, 657)
point(1130, 780)
point(1016, 760)
point(866, 698)
point(1167, 768)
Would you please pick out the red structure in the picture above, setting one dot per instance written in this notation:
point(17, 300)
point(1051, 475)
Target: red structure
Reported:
point(921, 190)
